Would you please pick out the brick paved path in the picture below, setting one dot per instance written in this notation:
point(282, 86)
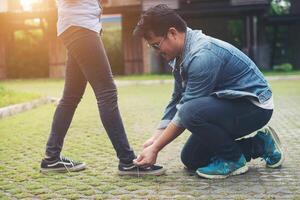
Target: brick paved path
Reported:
point(260, 182)
point(23, 136)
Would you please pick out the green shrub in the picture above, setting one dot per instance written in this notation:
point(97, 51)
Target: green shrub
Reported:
point(28, 55)
point(9, 97)
point(112, 39)
point(285, 67)
point(280, 7)
point(235, 29)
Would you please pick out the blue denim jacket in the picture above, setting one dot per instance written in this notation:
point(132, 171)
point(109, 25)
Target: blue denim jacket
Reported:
point(209, 66)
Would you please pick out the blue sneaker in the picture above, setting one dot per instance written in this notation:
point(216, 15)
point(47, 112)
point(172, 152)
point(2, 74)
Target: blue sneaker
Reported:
point(273, 153)
point(220, 168)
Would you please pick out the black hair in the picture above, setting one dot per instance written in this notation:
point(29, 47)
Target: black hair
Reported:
point(159, 19)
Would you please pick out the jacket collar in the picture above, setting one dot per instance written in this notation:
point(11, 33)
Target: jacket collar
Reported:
point(186, 49)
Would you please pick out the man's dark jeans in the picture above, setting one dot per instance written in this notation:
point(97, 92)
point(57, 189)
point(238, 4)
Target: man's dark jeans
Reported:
point(215, 125)
point(87, 62)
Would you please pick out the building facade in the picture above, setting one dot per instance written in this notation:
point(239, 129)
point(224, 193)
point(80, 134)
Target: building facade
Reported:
point(240, 22)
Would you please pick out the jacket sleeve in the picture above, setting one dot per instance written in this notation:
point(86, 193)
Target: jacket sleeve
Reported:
point(202, 74)
point(171, 109)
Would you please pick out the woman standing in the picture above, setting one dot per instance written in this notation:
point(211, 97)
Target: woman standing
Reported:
point(79, 27)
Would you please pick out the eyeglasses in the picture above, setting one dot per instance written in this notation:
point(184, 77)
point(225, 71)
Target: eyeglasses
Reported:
point(157, 45)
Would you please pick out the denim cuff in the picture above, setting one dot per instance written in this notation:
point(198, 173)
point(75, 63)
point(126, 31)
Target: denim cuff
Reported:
point(177, 121)
point(163, 124)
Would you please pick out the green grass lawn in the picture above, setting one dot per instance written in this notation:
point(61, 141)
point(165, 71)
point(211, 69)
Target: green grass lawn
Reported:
point(10, 97)
point(281, 73)
point(23, 138)
point(12, 93)
point(145, 77)
point(169, 76)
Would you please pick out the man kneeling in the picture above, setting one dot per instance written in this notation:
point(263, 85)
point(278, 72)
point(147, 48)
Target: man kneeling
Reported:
point(219, 96)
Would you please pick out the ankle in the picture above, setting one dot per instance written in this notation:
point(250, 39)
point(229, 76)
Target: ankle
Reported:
point(48, 158)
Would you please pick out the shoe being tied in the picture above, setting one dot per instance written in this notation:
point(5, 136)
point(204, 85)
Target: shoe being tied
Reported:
point(133, 170)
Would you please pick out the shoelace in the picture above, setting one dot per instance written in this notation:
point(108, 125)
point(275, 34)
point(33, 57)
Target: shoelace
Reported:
point(138, 170)
point(68, 160)
point(268, 157)
point(216, 160)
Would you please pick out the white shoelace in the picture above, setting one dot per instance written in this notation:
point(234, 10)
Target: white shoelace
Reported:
point(67, 159)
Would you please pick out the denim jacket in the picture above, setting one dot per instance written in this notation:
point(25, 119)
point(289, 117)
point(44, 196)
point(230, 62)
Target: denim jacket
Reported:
point(209, 66)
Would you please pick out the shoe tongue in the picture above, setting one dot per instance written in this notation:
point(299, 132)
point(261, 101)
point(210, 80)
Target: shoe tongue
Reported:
point(214, 159)
point(65, 159)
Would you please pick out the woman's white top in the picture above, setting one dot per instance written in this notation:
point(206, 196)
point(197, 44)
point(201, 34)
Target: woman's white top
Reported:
point(83, 13)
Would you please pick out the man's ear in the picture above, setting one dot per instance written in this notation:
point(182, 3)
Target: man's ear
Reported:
point(173, 32)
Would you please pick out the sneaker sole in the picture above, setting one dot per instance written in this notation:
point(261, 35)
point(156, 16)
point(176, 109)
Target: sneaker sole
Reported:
point(63, 169)
point(142, 173)
point(238, 171)
point(278, 146)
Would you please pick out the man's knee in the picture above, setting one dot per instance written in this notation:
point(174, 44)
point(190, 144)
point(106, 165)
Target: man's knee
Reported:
point(186, 113)
point(194, 111)
point(190, 114)
point(186, 160)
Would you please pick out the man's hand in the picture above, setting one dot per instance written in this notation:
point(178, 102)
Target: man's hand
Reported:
point(147, 157)
point(148, 142)
point(154, 137)
point(149, 154)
